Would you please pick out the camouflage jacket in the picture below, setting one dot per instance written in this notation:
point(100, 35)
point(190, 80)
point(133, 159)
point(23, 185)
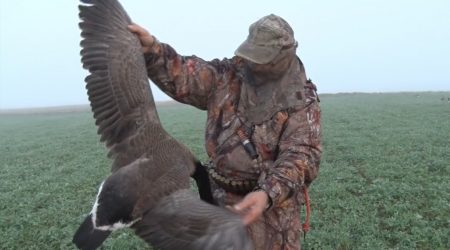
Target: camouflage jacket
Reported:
point(288, 144)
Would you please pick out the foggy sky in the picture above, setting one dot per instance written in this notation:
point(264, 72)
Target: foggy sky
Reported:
point(346, 46)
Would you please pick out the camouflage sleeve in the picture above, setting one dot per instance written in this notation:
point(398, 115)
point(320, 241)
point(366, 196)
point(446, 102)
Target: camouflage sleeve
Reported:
point(299, 155)
point(187, 79)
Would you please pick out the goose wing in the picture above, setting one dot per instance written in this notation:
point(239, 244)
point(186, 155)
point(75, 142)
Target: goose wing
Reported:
point(182, 221)
point(117, 84)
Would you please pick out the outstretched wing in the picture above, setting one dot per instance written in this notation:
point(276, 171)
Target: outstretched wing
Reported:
point(117, 85)
point(182, 221)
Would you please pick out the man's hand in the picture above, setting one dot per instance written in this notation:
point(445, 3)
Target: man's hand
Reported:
point(147, 40)
point(252, 206)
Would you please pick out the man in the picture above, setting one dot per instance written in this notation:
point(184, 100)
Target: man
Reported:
point(263, 125)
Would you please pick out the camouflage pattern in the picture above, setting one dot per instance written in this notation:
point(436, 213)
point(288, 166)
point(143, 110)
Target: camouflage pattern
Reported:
point(288, 144)
point(266, 37)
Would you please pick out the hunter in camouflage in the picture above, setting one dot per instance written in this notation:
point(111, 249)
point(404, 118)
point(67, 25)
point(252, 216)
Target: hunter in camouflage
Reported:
point(263, 131)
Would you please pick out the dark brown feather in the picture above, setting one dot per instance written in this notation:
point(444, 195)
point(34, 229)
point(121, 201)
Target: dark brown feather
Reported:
point(118, 87)
point(182, 221)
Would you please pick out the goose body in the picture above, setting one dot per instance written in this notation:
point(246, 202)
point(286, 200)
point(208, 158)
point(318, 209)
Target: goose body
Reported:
point(149, 185)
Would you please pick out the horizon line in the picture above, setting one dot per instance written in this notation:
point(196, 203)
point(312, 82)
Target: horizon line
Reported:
point(81, 106)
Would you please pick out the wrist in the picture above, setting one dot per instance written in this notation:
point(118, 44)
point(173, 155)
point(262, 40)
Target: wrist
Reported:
point(269, 200)
point(150, 46)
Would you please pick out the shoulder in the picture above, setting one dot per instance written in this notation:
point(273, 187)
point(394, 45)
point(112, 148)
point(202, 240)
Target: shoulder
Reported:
point(226, 64)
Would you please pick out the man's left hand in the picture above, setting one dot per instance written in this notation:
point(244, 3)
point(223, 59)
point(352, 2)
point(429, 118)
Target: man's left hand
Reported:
point(252, 206)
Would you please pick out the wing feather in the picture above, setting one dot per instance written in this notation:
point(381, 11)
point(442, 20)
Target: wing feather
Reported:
point(117, 86)
point(181, 221)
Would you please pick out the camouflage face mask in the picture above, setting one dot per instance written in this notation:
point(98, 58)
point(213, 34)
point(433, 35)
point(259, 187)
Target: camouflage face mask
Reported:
point(270, 88)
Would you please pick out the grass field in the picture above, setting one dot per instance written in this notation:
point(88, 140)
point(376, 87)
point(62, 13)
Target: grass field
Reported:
point(384, 181)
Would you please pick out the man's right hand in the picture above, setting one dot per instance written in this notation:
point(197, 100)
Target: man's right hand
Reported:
point(147, 40)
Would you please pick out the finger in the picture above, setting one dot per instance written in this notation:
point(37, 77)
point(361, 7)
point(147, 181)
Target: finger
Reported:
point(138, 29)
point(133, 28)
point(247, 202)
point(252, 215)
point(232, 209)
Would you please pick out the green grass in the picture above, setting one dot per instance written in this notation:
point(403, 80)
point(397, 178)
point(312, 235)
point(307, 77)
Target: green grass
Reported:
point(384, 181)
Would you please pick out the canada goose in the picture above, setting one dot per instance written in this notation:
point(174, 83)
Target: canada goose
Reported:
point(148, 188)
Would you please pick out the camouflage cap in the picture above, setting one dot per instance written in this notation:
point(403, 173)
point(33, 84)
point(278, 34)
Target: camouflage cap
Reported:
point(266, 38)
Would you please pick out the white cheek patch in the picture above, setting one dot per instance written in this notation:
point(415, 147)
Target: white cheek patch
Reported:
point(94, 208)
point(113, 227)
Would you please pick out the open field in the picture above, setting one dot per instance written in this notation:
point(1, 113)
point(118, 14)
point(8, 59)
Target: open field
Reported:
point(384, 181)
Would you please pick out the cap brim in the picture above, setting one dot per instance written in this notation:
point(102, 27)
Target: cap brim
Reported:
point(257, 54)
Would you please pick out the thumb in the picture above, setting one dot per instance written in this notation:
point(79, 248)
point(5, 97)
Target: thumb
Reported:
point(246, 203)
point(133, 28)
point(138, 30)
